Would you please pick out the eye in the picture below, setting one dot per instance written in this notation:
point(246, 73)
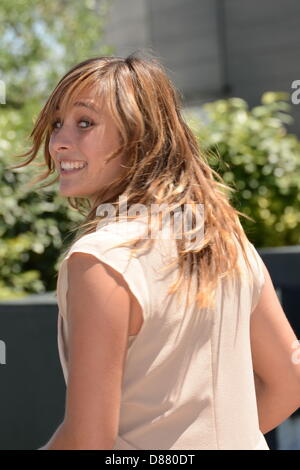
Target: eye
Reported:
point(86, 121)
point(53, 124)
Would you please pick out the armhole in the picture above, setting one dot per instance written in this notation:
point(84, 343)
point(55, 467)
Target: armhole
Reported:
point(259, 278)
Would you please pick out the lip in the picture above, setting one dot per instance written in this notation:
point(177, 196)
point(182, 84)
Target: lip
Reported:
point(66, 160)
point(70, 160)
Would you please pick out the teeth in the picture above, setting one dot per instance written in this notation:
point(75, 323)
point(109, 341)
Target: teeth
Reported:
point(72, 165)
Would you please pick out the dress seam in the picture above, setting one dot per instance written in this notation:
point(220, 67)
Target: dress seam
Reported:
point(213, 395)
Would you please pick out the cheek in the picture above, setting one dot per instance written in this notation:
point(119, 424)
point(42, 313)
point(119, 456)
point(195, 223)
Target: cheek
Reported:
point(115, 138)
point(97, 148)
point(50, 146)
point(51, 150)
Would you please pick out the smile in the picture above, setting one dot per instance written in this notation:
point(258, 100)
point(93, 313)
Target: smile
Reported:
point(71, 167)
point(70, 172)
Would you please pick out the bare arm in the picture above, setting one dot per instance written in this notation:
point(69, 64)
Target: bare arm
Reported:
point(274, 405)
point(98, 313)
point(276, 373)
point(55, 439)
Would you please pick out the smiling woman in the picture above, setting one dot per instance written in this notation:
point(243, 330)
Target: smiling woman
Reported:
point(155, 344)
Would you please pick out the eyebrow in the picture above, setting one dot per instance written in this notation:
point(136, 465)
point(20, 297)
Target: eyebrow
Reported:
point(84, 104)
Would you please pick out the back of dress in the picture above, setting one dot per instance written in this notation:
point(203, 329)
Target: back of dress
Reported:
point(188, 380)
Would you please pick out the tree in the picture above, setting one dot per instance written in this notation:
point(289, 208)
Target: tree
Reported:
point(255, 155)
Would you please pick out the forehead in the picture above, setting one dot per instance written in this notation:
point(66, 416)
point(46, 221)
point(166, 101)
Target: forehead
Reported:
point(83, 102)
point(87, 99)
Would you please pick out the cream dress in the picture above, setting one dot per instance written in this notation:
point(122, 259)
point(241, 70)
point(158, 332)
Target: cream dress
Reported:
point(188, 379)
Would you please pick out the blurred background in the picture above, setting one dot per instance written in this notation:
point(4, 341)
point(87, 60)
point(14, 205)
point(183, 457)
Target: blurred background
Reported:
point(235, 65)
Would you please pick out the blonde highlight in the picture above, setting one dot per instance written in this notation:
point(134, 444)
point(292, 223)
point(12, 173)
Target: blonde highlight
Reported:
point(164, 164)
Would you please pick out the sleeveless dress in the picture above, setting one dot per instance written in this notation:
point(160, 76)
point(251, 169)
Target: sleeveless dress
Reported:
point(188, 381)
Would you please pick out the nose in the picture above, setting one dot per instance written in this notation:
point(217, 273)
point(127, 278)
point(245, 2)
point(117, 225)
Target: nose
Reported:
point(61, 140)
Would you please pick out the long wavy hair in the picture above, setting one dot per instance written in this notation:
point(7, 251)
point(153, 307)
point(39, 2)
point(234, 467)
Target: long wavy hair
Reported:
point(165, 167)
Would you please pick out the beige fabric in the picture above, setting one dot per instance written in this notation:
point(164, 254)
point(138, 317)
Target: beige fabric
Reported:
point(188, 379)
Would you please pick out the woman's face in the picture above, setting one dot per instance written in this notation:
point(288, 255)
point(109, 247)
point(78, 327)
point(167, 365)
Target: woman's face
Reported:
point(79, 146)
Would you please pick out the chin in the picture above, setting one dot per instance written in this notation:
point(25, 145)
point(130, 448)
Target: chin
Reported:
point(73, 193)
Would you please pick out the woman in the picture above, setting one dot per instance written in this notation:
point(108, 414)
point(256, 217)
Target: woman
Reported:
point(143, 369)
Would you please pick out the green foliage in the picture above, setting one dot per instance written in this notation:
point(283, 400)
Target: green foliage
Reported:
point(255, 155)
point(39, 42)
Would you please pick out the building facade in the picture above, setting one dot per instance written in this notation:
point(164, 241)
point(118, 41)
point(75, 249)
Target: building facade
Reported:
point(215, 48)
